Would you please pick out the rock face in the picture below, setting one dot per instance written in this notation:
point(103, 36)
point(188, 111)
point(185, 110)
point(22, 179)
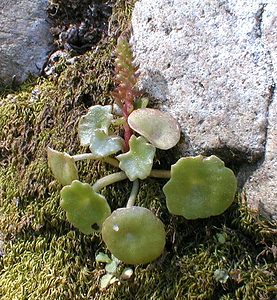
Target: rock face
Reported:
point(212, 64)
point(25, 40)
point(261, 187)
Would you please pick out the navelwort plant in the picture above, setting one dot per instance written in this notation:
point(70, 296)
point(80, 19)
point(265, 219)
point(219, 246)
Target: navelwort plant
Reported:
point(198, 187)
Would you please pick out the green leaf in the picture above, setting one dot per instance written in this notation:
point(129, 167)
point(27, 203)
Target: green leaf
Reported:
point(105, 280)
point(62, 166)
point(141, 102)
point(85, 208)
point(102, 258)
point(159, 128)
point(102, 145)
point(98, 117)
point(138, 161)
point(112, 266)
point(134, 235)
point(200, 187)
point(221, 237)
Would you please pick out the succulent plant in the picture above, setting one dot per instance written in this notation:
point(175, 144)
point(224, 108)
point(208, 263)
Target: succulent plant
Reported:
point(198, 187)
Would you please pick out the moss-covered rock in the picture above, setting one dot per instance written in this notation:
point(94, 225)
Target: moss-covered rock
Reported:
point(44, 257)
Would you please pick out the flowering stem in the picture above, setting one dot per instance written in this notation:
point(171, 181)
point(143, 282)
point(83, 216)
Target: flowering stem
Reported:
point(127, 109)
point(127, 135)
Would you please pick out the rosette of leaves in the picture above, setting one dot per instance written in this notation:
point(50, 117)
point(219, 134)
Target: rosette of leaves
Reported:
point(134, 235)
point(199, 187)
point(85, 208)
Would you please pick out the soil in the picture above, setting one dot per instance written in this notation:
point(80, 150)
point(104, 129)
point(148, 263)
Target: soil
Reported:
point(79, 25)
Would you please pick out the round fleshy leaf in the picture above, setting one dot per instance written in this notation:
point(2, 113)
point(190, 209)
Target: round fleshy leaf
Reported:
point(102, 258)
point(62, 166)
point(159, 128)
point(126, 274)
point(85, 208)
point(98, 117)
point(138, 161)
point(134, 235)
point(102, 145)
point(200, 187)
point(105, 280)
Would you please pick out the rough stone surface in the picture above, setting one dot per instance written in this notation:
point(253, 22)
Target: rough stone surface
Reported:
point(206, 63)
point(25, 40)
point(260, 189)
point(261, 186)
point(212, 64)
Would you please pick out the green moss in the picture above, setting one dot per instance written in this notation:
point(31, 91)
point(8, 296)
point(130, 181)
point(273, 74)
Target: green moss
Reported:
point(46, 258)
point(46, 266)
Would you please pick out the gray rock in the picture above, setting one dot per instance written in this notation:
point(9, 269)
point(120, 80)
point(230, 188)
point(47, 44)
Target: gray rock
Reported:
point(260, 189)
point(25, 40)
point(207, 65)
point(212, 64)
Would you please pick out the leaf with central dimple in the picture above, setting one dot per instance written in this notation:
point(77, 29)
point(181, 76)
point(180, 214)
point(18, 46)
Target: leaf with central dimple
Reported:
point(138, 161)
point(134, 235)
point(62, 165)
point(102, 145)
point(98, 117)
point(200, 187)
point(85, 208)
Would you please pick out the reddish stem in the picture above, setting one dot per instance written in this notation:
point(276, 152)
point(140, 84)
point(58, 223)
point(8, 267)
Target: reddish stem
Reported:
point(127, 135)
point(127, 109)
point(125, 93)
